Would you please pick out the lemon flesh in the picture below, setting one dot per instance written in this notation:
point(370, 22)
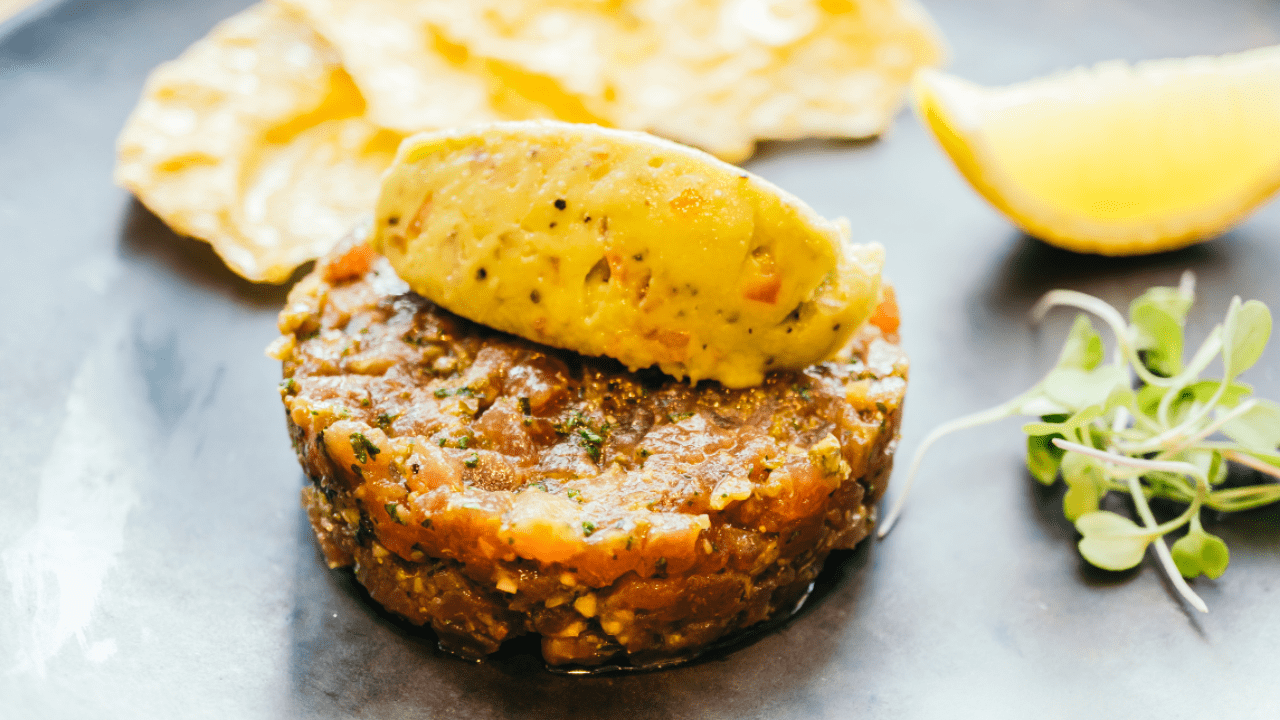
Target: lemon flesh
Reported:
point(616, 243)
point(1118, 159)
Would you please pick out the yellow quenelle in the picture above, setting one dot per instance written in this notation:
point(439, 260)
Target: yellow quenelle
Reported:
point(617, 243)
point(1118, 159)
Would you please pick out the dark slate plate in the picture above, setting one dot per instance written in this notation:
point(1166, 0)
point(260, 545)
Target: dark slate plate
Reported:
point(156, 563)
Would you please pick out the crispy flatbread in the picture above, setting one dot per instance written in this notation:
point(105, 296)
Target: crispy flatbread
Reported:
point(254, 140)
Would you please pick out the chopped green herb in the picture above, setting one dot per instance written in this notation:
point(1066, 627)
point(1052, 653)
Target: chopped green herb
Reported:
point(385, 420)
point(442, 392)
point(576, 419)
point(592, 442)
point(441, 442)
point(803, 392)
point(539, 486)
point(363, 448)
point(677, 417)
point(588, 528)
point(393, 510)
point(472, 460)
point(290, 385)
point(366, 401)
point(573, 494)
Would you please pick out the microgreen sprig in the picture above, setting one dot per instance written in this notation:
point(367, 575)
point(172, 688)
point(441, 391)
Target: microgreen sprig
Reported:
point(1168, 435)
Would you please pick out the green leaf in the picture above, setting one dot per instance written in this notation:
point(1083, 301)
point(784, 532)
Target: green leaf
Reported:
point(1083, 349)
point(1158, 333)
point(1063, 426)
point(1112, 553)
point(1110, 541)
point(1270, 457)
point(1080, 499)
point(1209, 461)
point(1149, 401)
point(1120, 397)
point(1086, 485)
point(1105, 523)
point(1199, 553)
point(1043, 457)
point(1244, 498)
point(1077, 468)
point(1076, 388)
point(1248, 329)
point(1169, 485)
point(1033, 429)
point(1149, 397)
point(1231, 397)
point(1169, 300)
point(1038, 404)
point(1258, 429)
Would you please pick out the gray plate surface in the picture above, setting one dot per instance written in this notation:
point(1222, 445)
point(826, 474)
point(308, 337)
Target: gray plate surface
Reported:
point(156, 563)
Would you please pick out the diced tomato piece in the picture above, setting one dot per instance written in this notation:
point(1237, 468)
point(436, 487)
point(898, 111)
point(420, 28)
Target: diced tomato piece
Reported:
point(350, 265)
point(886, 315)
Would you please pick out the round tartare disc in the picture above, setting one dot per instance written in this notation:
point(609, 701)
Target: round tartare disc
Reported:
point(490, 486)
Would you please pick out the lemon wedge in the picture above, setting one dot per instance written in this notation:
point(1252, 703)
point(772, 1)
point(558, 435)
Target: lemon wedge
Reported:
point(1118, 159)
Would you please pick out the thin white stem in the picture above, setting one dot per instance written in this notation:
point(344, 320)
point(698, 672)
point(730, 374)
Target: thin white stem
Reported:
point(1243, 498)
point(1212, 345)
point(1107, 314)
point(1229, 331)
point(1251, 462)
point(999, 412)
point(1216, 425)
point(1162, 550)
point(1177, 438)
point(1173, 466)
point(1121, 420)
point(1144, 511)
point(1187, 284)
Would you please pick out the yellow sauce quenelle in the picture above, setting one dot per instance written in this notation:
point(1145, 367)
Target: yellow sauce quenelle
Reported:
point(617, 243)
